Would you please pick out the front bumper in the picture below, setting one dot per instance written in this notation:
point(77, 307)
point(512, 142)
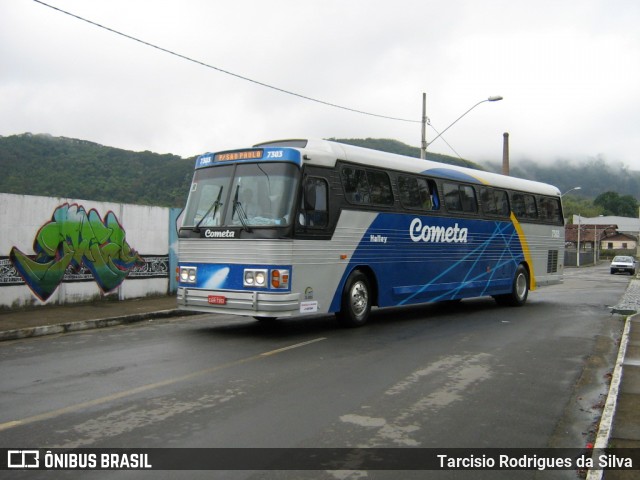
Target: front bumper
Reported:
point(253, 303)
point(621, 269)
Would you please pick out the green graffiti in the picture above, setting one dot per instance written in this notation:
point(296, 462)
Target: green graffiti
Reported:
point(77, 238)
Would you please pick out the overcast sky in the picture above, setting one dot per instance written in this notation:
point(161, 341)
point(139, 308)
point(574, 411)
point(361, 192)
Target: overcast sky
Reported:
point(569, 72)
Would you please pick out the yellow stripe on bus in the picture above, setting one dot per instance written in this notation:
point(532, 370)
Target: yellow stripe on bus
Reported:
point(525, 250)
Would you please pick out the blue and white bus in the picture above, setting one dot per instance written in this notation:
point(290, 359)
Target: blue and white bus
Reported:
point(302, 227)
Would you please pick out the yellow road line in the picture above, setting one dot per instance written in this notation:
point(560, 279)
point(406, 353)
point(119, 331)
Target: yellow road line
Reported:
point(145, 388)
point(290, 347)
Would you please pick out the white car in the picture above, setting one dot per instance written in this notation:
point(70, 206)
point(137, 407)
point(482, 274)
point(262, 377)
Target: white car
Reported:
point(624, 263)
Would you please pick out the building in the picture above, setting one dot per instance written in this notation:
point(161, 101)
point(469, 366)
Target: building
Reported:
point(619, 241)
point(627, 225)
point(586, 242)
point(589, 236)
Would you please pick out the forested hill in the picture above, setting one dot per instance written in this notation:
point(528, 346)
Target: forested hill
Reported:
point(66, 167)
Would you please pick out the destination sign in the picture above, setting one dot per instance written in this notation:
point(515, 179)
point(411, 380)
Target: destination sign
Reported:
point(238, 155)
point(267, 154)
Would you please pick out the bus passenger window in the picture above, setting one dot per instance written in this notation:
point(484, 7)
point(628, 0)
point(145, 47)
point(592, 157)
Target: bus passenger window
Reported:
point(530, 206)
point(418, 193)
point(502, 203)
point(524, 206)
point(550, 210)
point(452, 197)
point(460, 198)
point(468, 198)
point(494, 202)
point(356, 186)
point(380, 188)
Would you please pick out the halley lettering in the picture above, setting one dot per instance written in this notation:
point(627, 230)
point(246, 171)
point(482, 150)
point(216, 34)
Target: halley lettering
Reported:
point(377, 239)
point(432, 234)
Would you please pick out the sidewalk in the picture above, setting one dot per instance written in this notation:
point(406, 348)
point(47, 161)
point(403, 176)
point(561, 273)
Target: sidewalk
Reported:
point(620, 421)
point(53, 319)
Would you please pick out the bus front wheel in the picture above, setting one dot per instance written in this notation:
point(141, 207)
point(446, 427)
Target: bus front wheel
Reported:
point(356, 300)
point(519, 290)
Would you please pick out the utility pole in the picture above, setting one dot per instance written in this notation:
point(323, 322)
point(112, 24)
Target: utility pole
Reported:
point(578, 257)
point(423, 147)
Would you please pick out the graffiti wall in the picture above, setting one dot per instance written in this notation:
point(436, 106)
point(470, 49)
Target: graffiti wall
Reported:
point(57, 250)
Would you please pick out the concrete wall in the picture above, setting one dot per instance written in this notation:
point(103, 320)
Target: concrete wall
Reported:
point(86, 239)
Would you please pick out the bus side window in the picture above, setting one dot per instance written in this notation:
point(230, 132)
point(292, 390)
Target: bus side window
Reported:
point(416, 193)
point(452, 197)
point(380, 188)
point(468, 198)
point(494, 202)
point(502, 203)
point(406, 188)
point(460, 198)
point(530, 206)
point(517, 201)
point(487, 200)
point(314, 207)
point(524, 206)
point(550, 210)
point(356, 186)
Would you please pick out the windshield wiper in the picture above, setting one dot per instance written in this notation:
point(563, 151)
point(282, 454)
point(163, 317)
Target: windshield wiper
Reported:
point(214, 206)
point(242, 215)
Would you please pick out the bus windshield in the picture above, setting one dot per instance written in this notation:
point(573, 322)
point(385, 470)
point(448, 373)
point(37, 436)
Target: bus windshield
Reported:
point(243, 195)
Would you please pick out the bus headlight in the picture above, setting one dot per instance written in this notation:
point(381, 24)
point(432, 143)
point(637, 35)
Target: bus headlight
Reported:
point(255, 278)
point(188, 274)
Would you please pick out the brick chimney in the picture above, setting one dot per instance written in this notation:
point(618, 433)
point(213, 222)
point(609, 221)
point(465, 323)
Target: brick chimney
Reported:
point(505, 154)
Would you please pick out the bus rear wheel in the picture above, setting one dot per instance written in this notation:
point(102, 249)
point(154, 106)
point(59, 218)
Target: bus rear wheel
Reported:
point(356, 300)
point(519, 290)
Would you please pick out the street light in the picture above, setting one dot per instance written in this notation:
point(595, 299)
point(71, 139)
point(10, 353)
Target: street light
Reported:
point(425, 144)
point(574, 188)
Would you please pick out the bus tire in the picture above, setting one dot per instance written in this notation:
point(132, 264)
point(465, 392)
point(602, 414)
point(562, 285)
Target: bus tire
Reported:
point(519, 290)
point(356, 300)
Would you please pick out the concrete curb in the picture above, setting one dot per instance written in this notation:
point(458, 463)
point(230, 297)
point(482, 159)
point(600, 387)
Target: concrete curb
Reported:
point(78, 326)
point(608, 414)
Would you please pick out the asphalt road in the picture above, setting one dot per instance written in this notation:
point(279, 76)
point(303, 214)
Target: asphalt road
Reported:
point(471, 374)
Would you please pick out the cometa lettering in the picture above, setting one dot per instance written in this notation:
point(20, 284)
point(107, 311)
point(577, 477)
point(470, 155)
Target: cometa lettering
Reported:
point(219, 234)
point(433, 234)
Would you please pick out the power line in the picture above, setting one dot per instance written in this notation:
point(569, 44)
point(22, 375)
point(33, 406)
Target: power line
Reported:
point(221, 70)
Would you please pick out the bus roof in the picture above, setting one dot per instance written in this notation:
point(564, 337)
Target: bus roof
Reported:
point(326, 153)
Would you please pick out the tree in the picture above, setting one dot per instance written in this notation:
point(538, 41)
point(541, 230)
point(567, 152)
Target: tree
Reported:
point(575, 205)
point(614, 204)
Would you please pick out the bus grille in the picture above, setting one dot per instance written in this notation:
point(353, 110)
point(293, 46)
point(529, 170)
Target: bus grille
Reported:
point(552, 261)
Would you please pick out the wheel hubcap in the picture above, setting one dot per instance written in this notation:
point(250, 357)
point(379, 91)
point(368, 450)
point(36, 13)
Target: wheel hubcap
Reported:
point(521, 286)
point(359, 298)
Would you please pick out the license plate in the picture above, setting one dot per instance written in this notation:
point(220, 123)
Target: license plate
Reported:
point(217, 300)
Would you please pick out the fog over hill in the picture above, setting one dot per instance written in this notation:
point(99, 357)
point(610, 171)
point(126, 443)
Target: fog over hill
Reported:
point(40, 164)
point(594, 175)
